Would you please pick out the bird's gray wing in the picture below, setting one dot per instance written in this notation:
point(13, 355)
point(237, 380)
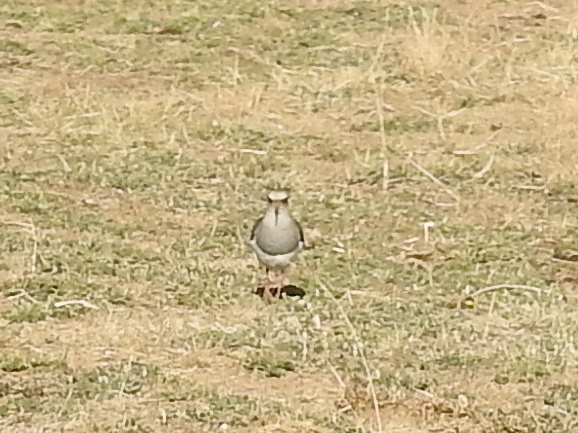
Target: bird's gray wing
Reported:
point(254, 229)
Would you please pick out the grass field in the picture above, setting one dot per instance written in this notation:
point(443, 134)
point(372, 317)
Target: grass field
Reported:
point(432, 153)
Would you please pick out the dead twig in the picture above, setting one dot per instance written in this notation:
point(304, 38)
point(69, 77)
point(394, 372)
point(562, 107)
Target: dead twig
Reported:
point(486, 168)
point(23, 294)
point(505, 286)
point(82, 302)
point(434, 179)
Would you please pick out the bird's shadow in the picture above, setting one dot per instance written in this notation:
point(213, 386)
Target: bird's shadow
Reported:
point(289, 290)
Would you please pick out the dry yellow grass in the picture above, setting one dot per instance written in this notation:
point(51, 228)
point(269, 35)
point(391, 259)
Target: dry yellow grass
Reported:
point(137, 139)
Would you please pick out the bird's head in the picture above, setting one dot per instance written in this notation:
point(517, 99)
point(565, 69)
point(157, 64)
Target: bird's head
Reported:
point(278, 200)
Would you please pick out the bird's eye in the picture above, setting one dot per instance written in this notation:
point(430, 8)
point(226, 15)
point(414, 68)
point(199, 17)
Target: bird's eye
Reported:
point(285, 201)
point(269, 200)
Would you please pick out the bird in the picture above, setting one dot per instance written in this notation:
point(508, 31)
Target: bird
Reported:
point(277, 239)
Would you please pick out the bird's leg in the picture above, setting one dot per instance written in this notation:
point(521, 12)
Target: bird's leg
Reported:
point(283, 280)
point(273, 283)
point(267, 285)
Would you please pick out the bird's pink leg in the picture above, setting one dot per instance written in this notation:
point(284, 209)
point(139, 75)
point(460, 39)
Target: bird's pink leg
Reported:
point(268, 284)
point(283, 279)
